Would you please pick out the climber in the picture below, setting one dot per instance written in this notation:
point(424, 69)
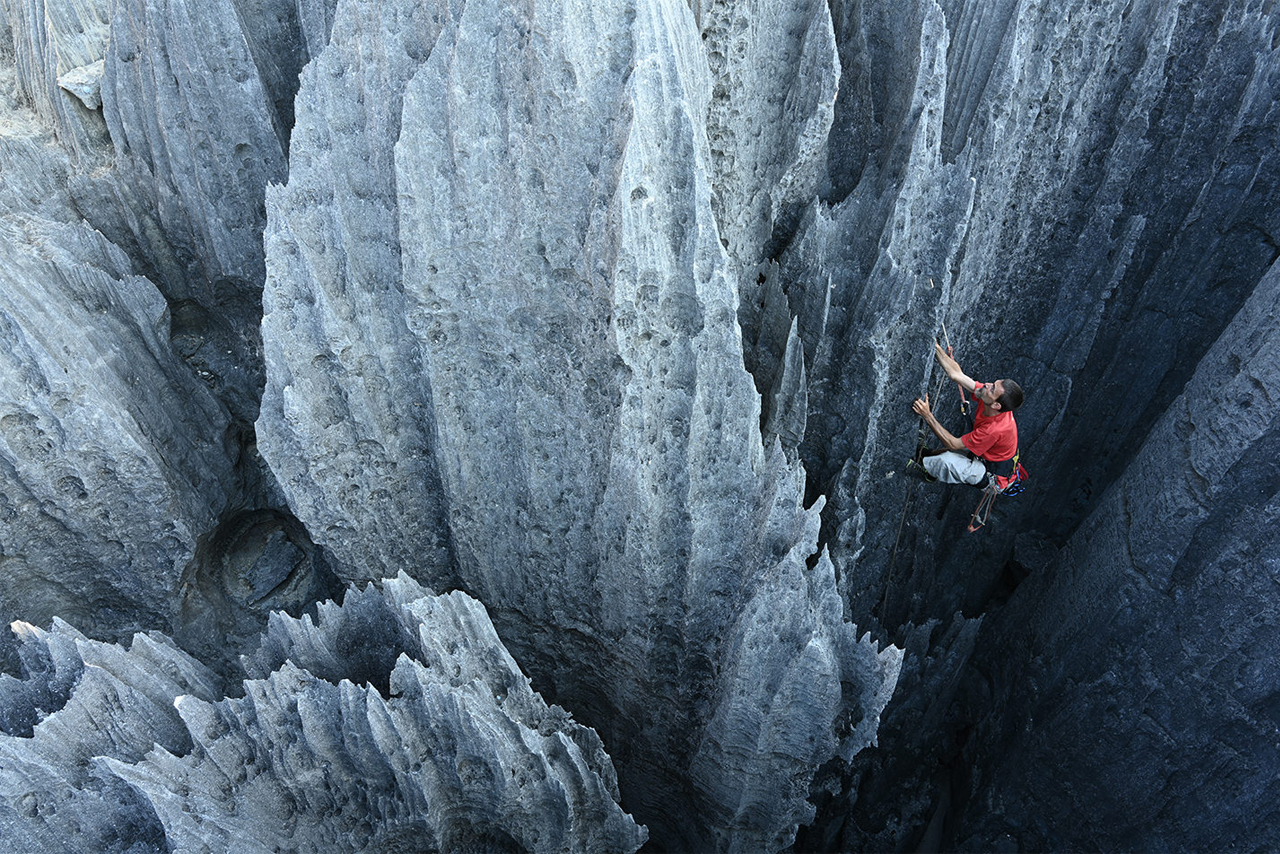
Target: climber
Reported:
point(993, 439)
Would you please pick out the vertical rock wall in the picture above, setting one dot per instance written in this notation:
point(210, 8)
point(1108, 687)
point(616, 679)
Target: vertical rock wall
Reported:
point(136, 499)
point(611, 315)
point(1142, 663)
point(346, 416)
point(576, 370)
point(1084, 194)
point(113, 456)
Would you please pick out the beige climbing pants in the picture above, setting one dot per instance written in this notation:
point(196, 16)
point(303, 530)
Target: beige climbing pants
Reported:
point(951, 467)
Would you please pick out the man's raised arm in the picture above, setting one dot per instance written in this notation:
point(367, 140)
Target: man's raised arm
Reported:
point(952, 368)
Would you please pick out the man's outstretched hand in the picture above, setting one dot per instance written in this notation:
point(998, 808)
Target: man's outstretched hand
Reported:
point(921, 407)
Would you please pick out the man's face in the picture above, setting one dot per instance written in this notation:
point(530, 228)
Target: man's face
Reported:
point(990, 393)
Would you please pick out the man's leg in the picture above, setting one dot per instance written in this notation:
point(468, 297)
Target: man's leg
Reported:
point(950, 467)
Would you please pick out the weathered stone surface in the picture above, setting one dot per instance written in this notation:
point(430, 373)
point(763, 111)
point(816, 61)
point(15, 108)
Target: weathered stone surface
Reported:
point(615, 493)
point(355, 462)
point(130, 500)
point(854, 798)
point(80, 700)
point(112, 462)
point(1068, 244)
point(1085, 197)
point(1143, 664)
point(171, 69)
point(774, 78)
point(447, 748)
point(553, 316)
point(53, 41)
point(581, 379)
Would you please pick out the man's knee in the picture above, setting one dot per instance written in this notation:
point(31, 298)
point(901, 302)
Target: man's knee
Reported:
point(951, 467)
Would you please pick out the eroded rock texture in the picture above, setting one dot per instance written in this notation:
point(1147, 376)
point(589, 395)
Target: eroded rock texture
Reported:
point(1123, 681)
point(114, 457)
point(1085, 195)
point(610, 315)
point(439, 743)
point(600, 478)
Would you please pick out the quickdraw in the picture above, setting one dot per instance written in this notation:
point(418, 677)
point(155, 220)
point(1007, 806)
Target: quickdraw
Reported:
point(1012, 485)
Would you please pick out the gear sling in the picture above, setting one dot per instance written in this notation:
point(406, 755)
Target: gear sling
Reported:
point(1009, 485)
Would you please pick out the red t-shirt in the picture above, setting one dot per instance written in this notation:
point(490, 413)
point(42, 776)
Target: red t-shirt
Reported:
point(993, 437)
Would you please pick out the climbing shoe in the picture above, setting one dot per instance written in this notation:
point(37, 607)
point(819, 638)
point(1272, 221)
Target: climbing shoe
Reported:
point(916, 469)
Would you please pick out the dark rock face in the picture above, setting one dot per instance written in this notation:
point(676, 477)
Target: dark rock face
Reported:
point(1159, 670)
point(1113, 210)
point(611, 315)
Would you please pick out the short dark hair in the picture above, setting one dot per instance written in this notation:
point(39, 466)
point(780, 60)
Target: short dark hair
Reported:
point(1012, 397)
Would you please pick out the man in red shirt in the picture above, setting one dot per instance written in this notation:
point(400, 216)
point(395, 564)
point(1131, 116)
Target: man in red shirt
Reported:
point(993, 439)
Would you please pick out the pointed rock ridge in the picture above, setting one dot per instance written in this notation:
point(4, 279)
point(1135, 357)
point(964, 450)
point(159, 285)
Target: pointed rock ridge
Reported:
point(774, 78)
point(315, 22)
point(979, 32)
point(1123, 204)
point(1174, 568)
point(1085, 208)
point(50, 666)
point(124, 479)
point(110, 702)
point(195, 222)
point(112, 462)
point(127, 750)
point(775, 75)
point(459, 753)
point(346, 420)
point(279, 48)
point(930, 684)
point(58, 51)
point(173, 167)
point(881, 49)
point(787, 408)
point(888, 251)
point(609, 494)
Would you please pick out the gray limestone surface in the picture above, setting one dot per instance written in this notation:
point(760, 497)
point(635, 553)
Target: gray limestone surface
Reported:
point(346, 418)
point(576, 370)
point(610, 315)
point(443, 746)
point(1119, 209)
point(1144, 660)
point(114, 457)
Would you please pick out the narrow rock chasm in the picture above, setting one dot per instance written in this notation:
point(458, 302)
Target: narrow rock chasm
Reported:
point(481, 426)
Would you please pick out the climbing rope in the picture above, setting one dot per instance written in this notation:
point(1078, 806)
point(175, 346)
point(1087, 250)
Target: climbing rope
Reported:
point(922, 439)
point(964, 401)
point(983, 511)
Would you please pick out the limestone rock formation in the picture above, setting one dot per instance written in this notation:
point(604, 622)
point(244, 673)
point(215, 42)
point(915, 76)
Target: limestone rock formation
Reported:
point(346, 416)
point(611, 316)
point(606, 486)
point(1085, 195)
point(114, 457)
point(79, 700)
point(444, 746)
point(1120, 682)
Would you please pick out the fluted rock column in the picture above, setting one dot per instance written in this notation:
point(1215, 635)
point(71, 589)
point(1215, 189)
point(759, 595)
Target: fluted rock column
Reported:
point(568, 431)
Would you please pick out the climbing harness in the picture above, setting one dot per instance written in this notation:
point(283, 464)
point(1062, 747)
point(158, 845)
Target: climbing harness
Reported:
point(1011, 485)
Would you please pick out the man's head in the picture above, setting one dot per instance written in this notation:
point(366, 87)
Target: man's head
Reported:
point(1001, 395)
